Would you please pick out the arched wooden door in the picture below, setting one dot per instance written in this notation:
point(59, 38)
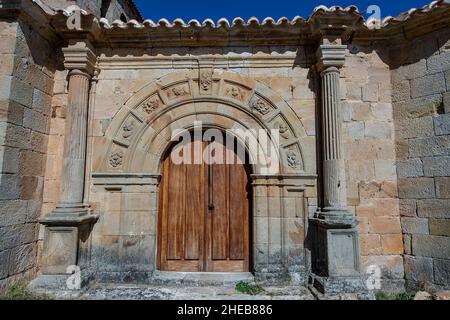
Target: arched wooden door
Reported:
point(204, 221)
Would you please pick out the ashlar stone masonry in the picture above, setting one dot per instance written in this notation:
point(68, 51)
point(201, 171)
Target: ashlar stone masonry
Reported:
point(87, 115)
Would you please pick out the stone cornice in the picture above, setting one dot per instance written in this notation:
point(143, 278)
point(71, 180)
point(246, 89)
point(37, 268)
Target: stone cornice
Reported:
point(348, 24)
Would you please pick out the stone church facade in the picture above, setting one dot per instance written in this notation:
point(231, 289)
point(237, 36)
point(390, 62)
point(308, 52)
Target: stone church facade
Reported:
point(89, 103)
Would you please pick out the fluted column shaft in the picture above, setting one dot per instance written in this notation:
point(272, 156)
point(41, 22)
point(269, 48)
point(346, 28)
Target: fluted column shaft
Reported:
point(330, 58)
point(335, 193)
point(74, 162)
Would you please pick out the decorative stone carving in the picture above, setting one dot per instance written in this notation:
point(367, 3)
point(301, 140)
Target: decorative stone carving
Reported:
point(151, 105)
point(261, 106)
point(283, 129)
point(128, 129)
point(206, 80)
point(293, 159)
point(235, 93)
point(177, 92)
point(116, 159)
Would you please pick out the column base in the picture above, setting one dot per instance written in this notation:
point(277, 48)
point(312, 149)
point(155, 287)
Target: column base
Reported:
point(67, 230)
point(354, 287)
point(336, 247)
point(61, 282)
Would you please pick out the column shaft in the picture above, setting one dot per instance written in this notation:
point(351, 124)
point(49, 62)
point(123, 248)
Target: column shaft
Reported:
point(74, 163)
point(335, 194)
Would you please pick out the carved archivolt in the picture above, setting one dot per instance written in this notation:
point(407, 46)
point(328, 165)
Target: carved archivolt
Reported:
point(141, 131)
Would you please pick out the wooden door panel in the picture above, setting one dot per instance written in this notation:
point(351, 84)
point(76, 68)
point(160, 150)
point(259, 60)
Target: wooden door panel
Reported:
point(194, 212)
point(194, 237)
point(176, 212)
point(219, 215)
point(238, 217)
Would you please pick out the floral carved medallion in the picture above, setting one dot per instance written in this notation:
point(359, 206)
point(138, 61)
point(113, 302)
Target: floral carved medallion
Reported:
point(116, 159)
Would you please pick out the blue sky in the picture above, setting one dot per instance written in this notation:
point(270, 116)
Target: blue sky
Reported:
point(214, 9)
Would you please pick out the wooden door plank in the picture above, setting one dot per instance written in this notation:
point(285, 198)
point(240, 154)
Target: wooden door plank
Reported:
point(219, 228)
point(176, 212)
point(238, 195)
point(194, 211)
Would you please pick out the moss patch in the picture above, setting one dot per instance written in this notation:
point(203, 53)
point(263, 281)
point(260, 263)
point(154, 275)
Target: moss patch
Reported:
point(250, 289)
point(404, 296)
point(20, 292)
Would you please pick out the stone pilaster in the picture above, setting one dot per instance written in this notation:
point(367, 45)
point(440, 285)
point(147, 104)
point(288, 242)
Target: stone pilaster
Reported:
point(69, 225)
point(336, 261)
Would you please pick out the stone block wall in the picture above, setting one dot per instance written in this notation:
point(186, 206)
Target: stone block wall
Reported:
point(368, 130)
point(421, 100)
point(26, 77)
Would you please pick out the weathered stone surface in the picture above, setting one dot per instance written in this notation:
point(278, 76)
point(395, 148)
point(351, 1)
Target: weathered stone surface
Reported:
point(384, 225)
point(419, 269)
point(428, 85)
point(377, 130)
point(370, 244)
point(436, 166)
point(401, 91)
point(423, 296)
point(410, 168)
point(407, 207)
point(4, 263)
point(415, 225)
point(440, 227)
point(13, 212)
point(10, 187)
point(9, 160)
point(446, 97)
point(433, 208)
point(442, 124)
point(442, 296)
point(22, 258)
point(442, 271)
point(431, 246)
point(392, 243)
point(417, 108)
point(428, 147)
point(438, 63)
point(416, 188)
point(407, 244)
point(442, 187)
point(410, 71)
point(414, 128)
point(391, 265)
point(385, 170)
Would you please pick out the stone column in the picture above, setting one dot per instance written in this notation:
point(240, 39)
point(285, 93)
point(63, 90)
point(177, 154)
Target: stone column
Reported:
point(336, 258)
point(69, 225)
point(74, 162)
point(331, 58)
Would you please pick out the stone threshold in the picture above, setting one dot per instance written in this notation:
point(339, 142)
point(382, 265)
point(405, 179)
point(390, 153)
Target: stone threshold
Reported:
point(202, 278)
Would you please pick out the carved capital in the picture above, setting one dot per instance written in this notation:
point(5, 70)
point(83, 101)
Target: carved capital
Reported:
point(79, 55)
point(330, 56)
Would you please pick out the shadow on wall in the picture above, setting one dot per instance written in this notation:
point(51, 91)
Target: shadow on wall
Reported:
point(421, 104)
